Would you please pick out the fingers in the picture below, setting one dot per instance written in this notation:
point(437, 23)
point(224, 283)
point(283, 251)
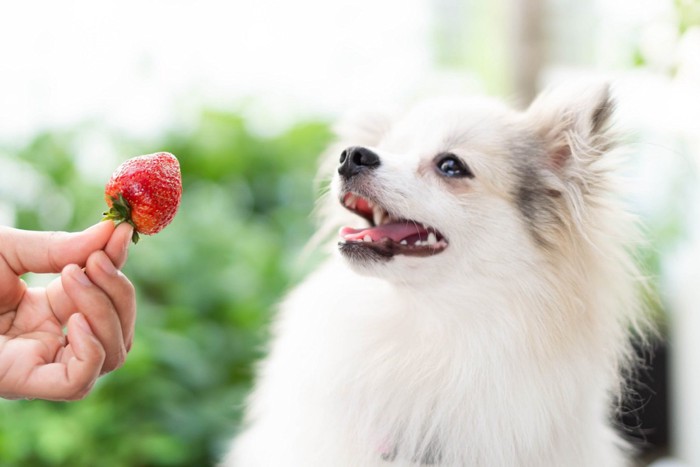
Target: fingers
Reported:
point(40, 252)
point(97, 304)
point(99, 335)
point(118, 246)
point(103, 294)
point(99, 309)
point(73, 378)
point(88, 359)
point(117, 249)
point(117, 287)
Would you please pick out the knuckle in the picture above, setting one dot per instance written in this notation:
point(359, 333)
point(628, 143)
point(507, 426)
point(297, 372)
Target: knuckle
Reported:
point(91, 261)
point(53, 238)
point(129, 292)
point(116, 361)
point(100, 353)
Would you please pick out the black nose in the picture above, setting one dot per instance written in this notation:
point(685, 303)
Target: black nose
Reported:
point(355, 159)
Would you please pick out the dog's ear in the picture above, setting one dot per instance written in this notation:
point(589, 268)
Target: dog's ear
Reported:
point(573, 123)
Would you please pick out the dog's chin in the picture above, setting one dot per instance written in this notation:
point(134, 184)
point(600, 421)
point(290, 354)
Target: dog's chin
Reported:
point(385, 260)
point(358, 253)
point(383, 250)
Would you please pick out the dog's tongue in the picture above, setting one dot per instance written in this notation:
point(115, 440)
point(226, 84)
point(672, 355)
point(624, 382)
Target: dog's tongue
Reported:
point(395, 231)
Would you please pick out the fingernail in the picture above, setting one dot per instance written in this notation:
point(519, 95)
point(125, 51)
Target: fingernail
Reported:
point(127, 240)
point(82, 323)
point(80, 276)
point(106, 264)
point(95, 228)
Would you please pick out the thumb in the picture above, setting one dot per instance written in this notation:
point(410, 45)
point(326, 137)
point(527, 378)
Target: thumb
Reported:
point(40, 252)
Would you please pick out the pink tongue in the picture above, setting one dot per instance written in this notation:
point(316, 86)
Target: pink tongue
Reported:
point(396, 231)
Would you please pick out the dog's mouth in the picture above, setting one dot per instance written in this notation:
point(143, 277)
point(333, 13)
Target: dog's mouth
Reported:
point(387, 235)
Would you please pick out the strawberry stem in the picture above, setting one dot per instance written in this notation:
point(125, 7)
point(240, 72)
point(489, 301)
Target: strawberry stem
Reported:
point(119, 212)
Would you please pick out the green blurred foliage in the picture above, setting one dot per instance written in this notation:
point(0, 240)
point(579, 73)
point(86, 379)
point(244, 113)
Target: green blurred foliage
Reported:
point(206, 287)
point(687, 17)
point(688, 14)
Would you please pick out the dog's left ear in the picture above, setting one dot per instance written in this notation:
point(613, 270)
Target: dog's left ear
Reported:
point(573, 124)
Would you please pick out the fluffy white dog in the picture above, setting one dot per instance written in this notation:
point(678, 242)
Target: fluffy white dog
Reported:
point(480, 306)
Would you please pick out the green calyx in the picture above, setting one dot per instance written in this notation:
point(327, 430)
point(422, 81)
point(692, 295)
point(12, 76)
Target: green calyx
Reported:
point(121, 212)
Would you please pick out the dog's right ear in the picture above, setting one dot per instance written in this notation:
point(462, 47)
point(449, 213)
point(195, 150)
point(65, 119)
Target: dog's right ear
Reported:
point(572, 128)
point(573, 123)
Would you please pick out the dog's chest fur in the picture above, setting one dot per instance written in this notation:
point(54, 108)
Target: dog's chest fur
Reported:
point(384, 376)
point(502, 343)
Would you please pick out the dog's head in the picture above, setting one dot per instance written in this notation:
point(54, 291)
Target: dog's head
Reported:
point(471, 184)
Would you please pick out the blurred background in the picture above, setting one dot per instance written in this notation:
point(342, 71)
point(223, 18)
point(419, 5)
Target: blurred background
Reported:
point(244, 93)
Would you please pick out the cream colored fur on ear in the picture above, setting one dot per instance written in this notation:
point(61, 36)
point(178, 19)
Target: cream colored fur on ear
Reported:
point(580, 162)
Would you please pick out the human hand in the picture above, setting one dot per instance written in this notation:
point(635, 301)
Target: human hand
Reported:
point(91, 298)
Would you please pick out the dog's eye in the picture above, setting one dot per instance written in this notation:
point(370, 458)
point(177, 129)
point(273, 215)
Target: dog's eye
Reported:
point(452, 166)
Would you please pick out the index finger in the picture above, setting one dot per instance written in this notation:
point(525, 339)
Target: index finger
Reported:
point(41, 252)
point(117, 248)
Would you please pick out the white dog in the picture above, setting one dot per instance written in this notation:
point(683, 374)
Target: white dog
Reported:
point(479, 309)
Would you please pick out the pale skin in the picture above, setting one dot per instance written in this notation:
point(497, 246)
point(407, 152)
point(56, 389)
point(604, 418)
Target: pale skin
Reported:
point(91, 299)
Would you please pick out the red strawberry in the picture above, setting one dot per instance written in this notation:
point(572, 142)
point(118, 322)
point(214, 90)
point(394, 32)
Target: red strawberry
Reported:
point(145, 191)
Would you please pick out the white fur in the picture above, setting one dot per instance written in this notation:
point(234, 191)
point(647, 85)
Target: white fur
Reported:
point(504, 350)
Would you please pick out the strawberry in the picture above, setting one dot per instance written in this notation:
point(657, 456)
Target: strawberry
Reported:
point(145, 191)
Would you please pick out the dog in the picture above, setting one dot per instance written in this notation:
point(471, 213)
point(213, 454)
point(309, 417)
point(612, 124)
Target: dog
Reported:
point(480, 304)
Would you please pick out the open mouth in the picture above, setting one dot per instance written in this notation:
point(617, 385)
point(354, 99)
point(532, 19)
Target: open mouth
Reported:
point(388, 235)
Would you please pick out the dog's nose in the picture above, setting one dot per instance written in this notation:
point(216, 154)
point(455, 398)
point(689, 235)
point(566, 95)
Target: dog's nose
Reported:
point(355, 159)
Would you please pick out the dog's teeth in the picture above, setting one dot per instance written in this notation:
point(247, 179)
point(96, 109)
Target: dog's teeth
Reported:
point(404, 242)
point(379, 215)
point(376, 216)
point(432, 239)
point(367, 238)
